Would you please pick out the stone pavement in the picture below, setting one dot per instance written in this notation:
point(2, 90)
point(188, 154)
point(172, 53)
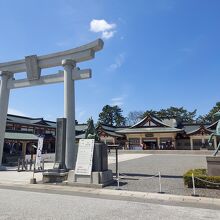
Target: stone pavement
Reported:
point(124, 157)
point(23, 177)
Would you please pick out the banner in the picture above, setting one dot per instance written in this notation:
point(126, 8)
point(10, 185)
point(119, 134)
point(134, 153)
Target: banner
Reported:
point(39, 151)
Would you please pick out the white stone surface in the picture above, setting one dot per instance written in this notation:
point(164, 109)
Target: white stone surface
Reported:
point(124, 157)
point(11, 176)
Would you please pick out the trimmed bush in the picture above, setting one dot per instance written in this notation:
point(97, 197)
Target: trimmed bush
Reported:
point(201, 174)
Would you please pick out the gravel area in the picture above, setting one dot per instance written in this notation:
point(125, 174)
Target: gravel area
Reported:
point(136, 174)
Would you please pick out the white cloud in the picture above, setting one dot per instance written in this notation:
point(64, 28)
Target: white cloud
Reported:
point(119, 101)
point(108, 34)
point(15, 112)
point(102, 26)
point(119, 60)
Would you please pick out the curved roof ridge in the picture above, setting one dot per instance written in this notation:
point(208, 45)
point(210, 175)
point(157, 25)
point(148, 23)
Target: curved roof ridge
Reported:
point(199, 128)
point(152, 117)
point(214, 123)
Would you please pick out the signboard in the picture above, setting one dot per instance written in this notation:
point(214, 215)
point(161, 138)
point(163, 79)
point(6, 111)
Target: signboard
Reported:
point(39, 151)
point(84, 157)
point(149, 135)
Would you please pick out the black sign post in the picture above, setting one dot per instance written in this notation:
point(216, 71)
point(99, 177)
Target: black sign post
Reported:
point(116, 146)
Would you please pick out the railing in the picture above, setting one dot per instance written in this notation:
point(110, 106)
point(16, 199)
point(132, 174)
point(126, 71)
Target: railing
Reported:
point(29, 165)
point(205, 181)
point(121, 176)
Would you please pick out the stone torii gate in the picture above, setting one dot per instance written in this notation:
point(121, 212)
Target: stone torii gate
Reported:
point(33, 65)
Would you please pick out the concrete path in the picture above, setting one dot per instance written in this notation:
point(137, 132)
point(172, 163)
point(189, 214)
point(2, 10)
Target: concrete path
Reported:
point(12, 176)
point(34, 205)
point(124, 157)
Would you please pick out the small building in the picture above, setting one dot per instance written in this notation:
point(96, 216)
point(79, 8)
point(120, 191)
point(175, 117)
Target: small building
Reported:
point(196, 136)
point(109, 135)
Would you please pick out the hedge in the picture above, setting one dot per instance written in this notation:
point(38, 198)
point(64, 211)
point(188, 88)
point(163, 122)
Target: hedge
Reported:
point(201, 174)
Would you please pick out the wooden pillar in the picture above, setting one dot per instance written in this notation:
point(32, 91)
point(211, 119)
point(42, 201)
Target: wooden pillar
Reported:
point(191, 143)
point(215, 143)
point(24, 146)
point(203, 141)
point(158, 142)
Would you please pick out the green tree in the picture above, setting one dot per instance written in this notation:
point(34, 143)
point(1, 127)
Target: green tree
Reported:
point(210, 116)
point(150, 112)
point(181, 114)
point(112, 115)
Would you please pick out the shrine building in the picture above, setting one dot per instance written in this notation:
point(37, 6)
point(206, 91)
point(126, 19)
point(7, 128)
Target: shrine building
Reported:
point(153, 133)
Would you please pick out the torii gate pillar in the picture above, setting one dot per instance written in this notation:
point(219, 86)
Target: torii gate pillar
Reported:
point(4, 99)
point(69, 113)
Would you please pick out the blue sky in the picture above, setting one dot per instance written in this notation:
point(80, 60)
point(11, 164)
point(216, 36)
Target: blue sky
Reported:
point(157, 53)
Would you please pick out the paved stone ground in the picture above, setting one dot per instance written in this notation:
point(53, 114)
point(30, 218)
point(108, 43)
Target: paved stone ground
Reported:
point(21, 205)
point(137, 168)
point(136, 173)
point(124, 157)
point(23, 177)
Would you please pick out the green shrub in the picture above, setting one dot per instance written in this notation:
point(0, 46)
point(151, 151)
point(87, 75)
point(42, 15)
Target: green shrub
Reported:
point(201, 174)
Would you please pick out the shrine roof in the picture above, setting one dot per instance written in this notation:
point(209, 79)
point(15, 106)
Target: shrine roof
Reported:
point(191, 129)
point(20, 136)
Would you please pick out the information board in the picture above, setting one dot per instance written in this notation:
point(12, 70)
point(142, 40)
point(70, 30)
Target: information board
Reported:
point(84, 157)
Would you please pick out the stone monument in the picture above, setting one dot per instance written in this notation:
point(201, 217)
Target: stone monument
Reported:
point(59, 172)
point(213, 162)
point(33, 65)
point(100, 175)
point(60, 149)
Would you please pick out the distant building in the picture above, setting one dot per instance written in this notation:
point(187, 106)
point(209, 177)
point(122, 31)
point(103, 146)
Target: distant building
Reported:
point(195, 136)
point(150, 133)
point(110, 136)
point(160, 134)
point(22, 134)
